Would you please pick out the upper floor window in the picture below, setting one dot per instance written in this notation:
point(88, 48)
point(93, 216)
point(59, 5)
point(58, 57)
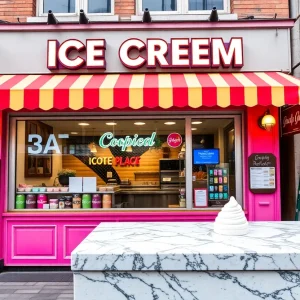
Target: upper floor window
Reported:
point(73, 6)
point(182, 6)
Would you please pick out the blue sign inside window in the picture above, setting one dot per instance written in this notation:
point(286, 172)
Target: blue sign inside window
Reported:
point(206, 156)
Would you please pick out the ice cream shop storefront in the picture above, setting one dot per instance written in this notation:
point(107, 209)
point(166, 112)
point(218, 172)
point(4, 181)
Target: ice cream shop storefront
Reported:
point(136, 122)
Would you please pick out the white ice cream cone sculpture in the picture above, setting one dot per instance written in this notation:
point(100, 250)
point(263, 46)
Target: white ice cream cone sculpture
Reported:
point(231, 220)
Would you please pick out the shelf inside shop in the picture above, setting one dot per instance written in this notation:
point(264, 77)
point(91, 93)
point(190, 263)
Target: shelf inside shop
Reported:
point(146, 172)
point(69, 193)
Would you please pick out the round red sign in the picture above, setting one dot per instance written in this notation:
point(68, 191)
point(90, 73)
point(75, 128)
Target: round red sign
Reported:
point(174, 140)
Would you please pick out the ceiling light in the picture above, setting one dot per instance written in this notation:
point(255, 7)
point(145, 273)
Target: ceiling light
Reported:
point(170, 123)
point(129, 149)
point(83, 124)
point(196, 122)
point(74, 132)
point(111, 123)
point(139, 123)
point(93, 148)
point(194, 128)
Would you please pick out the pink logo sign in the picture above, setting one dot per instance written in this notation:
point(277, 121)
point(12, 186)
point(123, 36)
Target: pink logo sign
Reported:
point(174, 140)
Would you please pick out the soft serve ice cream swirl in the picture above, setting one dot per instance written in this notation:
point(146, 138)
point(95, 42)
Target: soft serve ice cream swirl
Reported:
point(231, 220)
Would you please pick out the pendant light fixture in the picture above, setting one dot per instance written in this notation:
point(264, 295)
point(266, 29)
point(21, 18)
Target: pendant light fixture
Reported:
point(93, 148)
point(129, 149)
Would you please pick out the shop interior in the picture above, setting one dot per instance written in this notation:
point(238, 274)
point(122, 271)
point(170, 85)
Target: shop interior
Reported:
point(145, 173)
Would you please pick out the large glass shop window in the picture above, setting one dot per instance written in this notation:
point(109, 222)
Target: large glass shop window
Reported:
point(99, 164)
point(213, 151)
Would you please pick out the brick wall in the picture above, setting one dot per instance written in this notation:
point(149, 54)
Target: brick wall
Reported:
point(260, 8)
point(10, 10)
point(125, 8)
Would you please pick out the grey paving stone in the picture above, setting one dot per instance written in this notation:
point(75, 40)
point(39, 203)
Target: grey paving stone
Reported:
point(27, 291)
point(65, 296)
point(19, 296)
point(67, 291)
point(14, 287)
point(56, 287)
point(41, 284)
point(47, 291)
point(57, 283)
point(53, 276)
point(7, 291)
point(3, 296)
point(12, 283)
point(44, 297)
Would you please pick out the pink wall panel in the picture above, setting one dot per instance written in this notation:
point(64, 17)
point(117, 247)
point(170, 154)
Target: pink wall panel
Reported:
point(73, 236)
point(34, 242)
point(262, 207)
point(47, 239)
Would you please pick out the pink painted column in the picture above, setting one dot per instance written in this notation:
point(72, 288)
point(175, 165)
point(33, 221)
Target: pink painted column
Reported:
point(2, 199)
point(262, 207)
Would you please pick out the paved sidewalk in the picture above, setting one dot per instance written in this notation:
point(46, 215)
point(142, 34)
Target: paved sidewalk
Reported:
point(36, 290)
point(36, 285)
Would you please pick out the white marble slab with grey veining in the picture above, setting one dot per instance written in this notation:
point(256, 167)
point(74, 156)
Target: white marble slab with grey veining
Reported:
point(161, 285)
point(188, 246)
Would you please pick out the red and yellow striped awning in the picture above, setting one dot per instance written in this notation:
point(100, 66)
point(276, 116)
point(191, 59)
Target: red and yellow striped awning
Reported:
point(135, 91)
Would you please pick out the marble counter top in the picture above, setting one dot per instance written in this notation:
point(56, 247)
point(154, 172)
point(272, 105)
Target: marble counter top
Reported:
point(188, 247)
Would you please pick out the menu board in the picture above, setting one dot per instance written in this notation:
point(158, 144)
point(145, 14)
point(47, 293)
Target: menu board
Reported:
point(200, 197)
point(218, 185)
point(262, 173)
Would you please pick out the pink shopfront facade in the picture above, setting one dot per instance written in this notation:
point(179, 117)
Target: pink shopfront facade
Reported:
point(158, 124)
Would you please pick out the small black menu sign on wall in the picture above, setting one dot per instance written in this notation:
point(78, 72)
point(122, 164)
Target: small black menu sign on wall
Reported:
point(262, 173)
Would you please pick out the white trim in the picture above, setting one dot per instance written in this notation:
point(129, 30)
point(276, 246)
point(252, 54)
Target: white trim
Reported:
point(182, 9)
point(79, 4)
point(75, 18)
point(202, 16)
point(188, 163)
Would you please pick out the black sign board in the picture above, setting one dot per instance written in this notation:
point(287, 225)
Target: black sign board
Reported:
point(262, 173)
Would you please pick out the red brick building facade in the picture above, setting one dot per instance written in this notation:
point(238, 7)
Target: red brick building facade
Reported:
point(12, 10)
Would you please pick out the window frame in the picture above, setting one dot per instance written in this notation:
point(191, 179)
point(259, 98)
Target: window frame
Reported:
point(79, 4)
point(237, 116)
point(182, 9)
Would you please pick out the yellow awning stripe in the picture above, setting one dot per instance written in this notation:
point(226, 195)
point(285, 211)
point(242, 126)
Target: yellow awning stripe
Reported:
point(250, 89)
point(136, 91)
point(165, 91)
point(223, 90)
point(47, 90)
point(17, 92)
point(106, 93)
point(76, 92)
point(5, 78)
point(194, 90)
point(276, 88)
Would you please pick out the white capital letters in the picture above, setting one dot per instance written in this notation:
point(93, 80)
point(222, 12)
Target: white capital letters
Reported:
point(200, 52)
point(52, 55)
point(157, 50)
point(126, 47)
point(36, 144)
point(95, 54)
point(231, 57)
point(55, 147)
point(65, 49)
point(180, 52)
